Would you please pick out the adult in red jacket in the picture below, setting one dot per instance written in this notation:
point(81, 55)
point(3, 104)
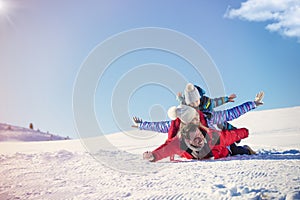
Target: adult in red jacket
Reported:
point(215, 144)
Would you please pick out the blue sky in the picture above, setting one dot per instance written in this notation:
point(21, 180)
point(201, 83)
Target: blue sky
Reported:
point(43, 45)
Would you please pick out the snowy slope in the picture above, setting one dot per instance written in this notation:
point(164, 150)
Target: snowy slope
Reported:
point(277, 128)
point(15, 133)
point(110, 167)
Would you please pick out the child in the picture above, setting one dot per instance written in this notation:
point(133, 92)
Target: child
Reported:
point(212, 117)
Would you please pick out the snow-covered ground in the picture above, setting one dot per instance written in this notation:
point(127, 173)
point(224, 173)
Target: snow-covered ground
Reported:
point(111, 167)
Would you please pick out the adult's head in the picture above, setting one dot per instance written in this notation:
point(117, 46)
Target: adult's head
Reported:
point(191, 95)
point(193, 136)
point(186, 114)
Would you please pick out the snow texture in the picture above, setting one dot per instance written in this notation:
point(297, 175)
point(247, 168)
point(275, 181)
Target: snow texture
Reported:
point(77, 169)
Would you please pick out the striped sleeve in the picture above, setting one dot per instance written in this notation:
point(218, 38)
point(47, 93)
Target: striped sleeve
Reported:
point(162, 127)
point(219, 117)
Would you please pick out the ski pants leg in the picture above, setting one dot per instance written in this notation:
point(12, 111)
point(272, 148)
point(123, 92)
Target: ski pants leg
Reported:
point(238, 150)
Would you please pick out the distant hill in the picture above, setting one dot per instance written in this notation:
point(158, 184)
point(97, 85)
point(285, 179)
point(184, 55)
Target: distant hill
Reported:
point(15, 133)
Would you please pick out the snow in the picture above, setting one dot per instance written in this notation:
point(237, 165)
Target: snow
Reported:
point(111, 166)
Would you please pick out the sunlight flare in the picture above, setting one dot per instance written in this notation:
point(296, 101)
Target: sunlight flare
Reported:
point(2, 6)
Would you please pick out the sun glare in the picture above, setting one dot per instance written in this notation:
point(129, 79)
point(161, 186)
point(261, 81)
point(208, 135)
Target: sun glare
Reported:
point(2, 6)
point(5, 12)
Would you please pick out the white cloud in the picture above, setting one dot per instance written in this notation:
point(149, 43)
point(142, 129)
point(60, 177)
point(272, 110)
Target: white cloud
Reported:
point(283, 15)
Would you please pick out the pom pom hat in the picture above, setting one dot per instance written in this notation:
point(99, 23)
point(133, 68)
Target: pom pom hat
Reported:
point(185, 113)
point(191, 94)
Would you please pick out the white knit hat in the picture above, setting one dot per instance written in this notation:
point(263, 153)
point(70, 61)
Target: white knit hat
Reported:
point(185, 113)
point(191, 94)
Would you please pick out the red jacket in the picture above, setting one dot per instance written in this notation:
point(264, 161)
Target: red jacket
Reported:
point(219, 150)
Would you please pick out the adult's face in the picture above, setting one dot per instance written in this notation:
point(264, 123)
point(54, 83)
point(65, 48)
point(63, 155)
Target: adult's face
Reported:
point(196, 139)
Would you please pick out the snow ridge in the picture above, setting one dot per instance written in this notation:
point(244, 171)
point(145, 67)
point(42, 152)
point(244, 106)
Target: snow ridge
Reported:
point(15, 133)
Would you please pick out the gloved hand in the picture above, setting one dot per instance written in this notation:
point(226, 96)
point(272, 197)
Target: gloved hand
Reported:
point(148, 155)
point(137, 121)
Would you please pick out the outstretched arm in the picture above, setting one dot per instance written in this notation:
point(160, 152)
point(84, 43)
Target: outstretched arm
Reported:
point(219, 117)
point(209, 104)
point(180, 98)
point(162, 127)
point(222, 100)
point(169, 148)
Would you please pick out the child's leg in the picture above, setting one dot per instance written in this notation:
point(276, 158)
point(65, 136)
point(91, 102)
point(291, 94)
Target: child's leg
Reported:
point(227, 126)
point(238, 150)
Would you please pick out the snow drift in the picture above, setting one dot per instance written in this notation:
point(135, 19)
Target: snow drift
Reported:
point(114, 169)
